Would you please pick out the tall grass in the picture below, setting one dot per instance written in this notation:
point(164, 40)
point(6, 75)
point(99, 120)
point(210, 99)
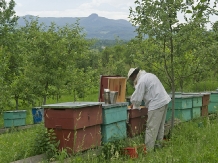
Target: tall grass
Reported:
point(18, 144)
point(193, 141)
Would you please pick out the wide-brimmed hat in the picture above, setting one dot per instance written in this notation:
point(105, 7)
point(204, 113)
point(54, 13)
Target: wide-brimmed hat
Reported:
point(131, 70)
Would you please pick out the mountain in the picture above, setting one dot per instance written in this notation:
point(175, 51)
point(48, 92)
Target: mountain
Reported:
point(94, 26)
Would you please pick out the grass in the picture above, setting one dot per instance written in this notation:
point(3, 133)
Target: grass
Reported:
point(17, 144)
point(66, 98)
point(193, 141)
point(190, 143)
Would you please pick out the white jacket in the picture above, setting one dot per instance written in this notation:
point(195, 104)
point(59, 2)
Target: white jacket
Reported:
point(149, 88)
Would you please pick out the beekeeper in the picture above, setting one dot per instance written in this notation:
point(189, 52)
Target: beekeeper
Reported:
point(149, 88)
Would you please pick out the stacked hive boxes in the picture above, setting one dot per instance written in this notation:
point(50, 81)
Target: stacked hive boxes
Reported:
point(213, 105)
point(136, 121)
point(114, 122)
point(183, 108)
point(77, 125)
point(113, 83)
point(14, 118)
point(196, 104)
point(205, 103)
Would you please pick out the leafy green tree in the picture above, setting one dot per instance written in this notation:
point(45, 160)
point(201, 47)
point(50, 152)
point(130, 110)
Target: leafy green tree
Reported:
point(52, 53)
point(159, 20)
point(4, 87)
point(10, 38)
point(8, 21)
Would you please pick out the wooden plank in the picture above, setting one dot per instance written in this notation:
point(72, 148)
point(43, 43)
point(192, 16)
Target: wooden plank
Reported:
point(118, 84)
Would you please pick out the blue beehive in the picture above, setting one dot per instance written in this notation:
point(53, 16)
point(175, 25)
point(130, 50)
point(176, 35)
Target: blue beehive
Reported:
point(38, 115)
point(114, 121)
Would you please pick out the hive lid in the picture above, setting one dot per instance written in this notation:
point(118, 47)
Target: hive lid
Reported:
point(72, 105)
point(213, 92)
point(15, 111)
point(193, 94)
point(181, 96)
point(115, 105)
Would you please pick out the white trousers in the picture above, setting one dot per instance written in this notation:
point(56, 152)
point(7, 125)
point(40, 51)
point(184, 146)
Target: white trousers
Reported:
point(155, 127)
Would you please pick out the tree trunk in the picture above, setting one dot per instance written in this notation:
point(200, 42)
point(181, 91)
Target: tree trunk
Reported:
point(17, 103)
point(45, 96)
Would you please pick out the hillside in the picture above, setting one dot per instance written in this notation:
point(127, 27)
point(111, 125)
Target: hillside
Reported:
point(94, 26)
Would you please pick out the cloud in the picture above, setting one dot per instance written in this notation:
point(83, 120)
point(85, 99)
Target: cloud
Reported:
point(19, 4)
point(111, 9)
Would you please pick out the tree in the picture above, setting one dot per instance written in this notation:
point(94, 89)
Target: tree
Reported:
point(4, 87)
point(53, 54)
point(159, 20)
point(10, 40)
point(8, 21)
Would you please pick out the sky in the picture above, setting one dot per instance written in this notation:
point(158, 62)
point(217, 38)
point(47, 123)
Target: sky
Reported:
point(111, 9)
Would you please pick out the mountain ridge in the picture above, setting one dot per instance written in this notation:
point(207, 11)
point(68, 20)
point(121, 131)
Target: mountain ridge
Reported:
point(94, 26)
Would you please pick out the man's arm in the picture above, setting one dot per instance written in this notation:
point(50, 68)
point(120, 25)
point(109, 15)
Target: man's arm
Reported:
point(137, 96)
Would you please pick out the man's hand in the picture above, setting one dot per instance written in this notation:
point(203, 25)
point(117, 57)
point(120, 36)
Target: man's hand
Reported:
point(131, 106)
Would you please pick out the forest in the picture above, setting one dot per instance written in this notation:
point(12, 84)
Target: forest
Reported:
point(39, 62)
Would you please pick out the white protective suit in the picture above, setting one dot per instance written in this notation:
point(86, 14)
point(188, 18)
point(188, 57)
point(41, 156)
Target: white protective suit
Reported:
point(149, 88)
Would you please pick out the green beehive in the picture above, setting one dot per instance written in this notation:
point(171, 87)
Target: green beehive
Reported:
point(182, 114)
point(14, 118)
point(196, 112)
point(114, 112)
point(213, 107)
point(214, 97)
point(114, 121)
point(197, 99)
point(182, 102)
point(113, 131)
point(183, 107)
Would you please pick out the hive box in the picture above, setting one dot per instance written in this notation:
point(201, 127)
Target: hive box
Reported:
point(182, 114)
point(114, 121)
point(197, 99)
point(38, 115)
point(196, 112)
point(78, 140)
point(213, 107)
point(205, 99)
point(204, 111)
point(114, 112)
point(76, 124)
point(136, 121)
point(182, 102)
point(14, 118)
point(183, 107)
point(113, 83)
point(214, 97)
point(114, 131)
